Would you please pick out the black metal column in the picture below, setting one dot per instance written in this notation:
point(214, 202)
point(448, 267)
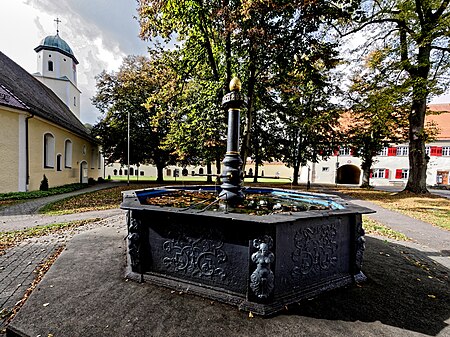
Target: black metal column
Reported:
point(232, 173)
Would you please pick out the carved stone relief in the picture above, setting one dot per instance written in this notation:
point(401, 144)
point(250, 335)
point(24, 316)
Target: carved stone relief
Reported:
point(316, 250)
point(196, 257)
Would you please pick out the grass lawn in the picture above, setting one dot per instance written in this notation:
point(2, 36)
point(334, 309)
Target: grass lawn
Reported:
point(429, 208)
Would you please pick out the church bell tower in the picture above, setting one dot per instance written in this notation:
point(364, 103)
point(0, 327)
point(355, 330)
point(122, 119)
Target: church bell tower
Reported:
point(57, 69)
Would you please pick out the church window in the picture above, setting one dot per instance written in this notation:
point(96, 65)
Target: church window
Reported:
point(68, 153)
point(93, 159)
point(115, 172)
point(58, 162)
point(50, 65)
point(49, 151)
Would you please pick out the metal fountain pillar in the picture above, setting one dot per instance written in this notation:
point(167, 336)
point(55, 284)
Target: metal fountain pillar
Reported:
point(232, 173)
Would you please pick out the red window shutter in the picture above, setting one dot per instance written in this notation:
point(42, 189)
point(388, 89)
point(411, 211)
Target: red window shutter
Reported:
point(392, 151)
point(371, 173)
point(386, 174)
point(438, 151)
point(336, 152)
point(352, 151)
point(398, 174)
point(432, 150)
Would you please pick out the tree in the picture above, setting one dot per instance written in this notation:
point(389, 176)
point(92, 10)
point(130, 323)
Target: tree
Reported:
point(309, 117)
point(378, 114)
point(252, 38)
point(125, 93)
point(414, 38)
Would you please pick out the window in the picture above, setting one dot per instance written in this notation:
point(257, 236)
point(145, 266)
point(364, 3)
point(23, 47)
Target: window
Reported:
point(200, 170)
point(49, 151)
point(84, 150)
point(68, 153)
point(120, 172)
point(168, 172)
point(402, 151)
point(427, 150)
point(446, 150)
point(58, 162)
point(50, 65)
point(383, 152)
point(325, 169)
point(142, 173)
point(131, 171)
point(93, 159)
point(380, 173)
point(436, 151)
point(344, 151)
point(115, 172)
point(401, 173)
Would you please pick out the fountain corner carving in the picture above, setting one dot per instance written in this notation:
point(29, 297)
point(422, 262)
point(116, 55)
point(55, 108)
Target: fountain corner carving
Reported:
point(134, 242)
point(262, 278)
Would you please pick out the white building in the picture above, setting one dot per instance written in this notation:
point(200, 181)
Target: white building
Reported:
point(390, 167)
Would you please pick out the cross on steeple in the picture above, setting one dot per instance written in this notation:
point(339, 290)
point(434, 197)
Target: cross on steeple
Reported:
point(57, 25)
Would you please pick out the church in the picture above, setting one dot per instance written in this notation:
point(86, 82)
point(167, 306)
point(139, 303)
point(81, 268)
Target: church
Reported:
point(40, 127)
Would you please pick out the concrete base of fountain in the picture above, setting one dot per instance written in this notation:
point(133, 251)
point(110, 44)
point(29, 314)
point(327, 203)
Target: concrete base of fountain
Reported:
point(259, 263)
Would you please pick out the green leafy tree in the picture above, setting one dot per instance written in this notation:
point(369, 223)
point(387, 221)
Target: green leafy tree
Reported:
point(378, 114)
point(310, 119)
point(124, 94)
point(256, 40)
point(412, 38)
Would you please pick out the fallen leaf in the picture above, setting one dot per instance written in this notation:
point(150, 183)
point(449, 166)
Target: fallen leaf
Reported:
point(431, 296)
point(250, 315)
point(45, 304)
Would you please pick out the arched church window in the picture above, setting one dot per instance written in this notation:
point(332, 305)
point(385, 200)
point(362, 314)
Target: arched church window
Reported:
point(200, 170)
point(115, 172)
point(50, 65)
point(49, 151)
point(68, 153)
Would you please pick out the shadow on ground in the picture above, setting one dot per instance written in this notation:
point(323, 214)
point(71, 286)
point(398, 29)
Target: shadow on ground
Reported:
point(85, 294)
point(405, 289)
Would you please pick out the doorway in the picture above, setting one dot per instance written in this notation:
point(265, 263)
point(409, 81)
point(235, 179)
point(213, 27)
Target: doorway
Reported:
point(348, 174)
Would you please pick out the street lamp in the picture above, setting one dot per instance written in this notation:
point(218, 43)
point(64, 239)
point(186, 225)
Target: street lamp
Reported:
point(128, 148)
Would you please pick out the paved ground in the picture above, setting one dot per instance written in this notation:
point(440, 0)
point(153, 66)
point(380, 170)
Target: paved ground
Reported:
point(92, 254)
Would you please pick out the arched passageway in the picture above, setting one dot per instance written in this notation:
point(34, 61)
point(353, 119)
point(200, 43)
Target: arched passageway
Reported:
point(348, 174)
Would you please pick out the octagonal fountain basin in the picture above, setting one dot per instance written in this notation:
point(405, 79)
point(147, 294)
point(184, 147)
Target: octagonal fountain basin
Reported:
point(276, 248)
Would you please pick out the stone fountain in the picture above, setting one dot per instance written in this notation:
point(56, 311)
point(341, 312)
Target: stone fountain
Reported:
point(307, 244)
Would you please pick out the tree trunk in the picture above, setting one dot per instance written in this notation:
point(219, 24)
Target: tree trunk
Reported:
point(245, 150)
point(295, 177)
point(218, 169)
point(209, 172)
point(255, 177)
point(365, 166)
point(418, 160)
point(417, 157)
point(160, 173)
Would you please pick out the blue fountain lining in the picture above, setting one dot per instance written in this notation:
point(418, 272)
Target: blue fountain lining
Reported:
point(310, 198)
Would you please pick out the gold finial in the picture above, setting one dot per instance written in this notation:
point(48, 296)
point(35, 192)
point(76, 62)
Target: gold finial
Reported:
point(235, 84)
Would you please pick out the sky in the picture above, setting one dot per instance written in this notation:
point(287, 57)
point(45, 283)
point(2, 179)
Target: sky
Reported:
point(100, 33)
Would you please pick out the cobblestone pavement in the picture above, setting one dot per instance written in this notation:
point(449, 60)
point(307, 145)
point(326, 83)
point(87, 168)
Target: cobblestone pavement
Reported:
point(18, 264)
